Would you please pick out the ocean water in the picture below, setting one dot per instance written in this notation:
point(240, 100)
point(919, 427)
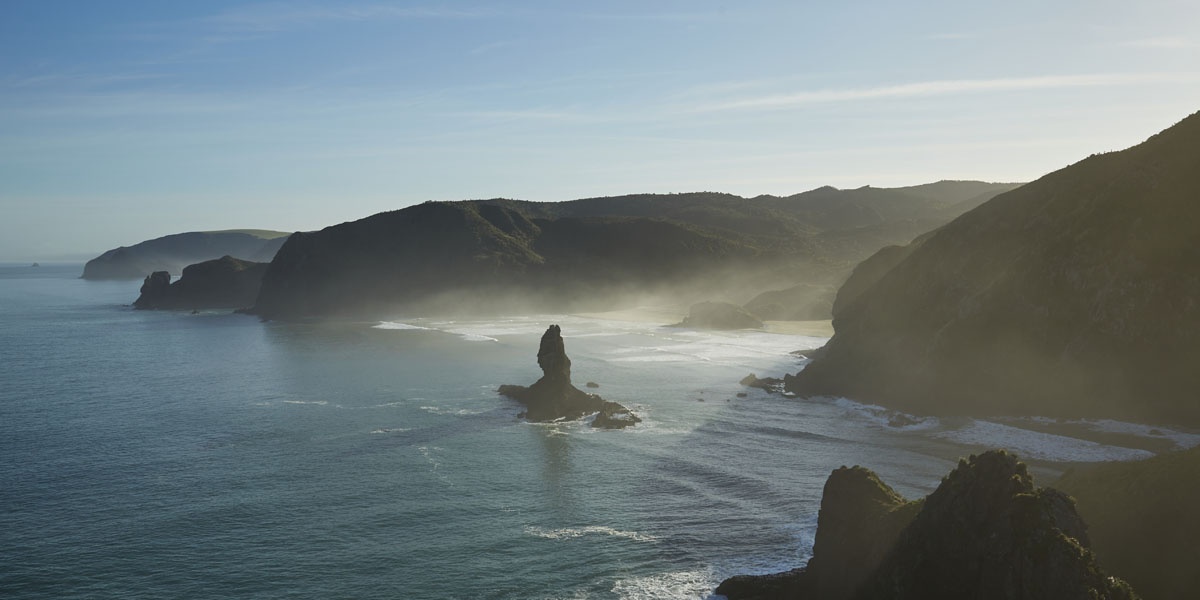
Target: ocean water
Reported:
point(176, 455)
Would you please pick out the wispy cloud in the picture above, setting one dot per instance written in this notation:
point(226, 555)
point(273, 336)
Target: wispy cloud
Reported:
point(940, 88)
point(950, 36)
point(279, 17)
point(1170, 43)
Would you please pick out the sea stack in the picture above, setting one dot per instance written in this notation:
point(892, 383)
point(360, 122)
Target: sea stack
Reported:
point(553, 397)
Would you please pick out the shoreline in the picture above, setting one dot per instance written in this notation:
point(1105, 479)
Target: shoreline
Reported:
point(669, 315)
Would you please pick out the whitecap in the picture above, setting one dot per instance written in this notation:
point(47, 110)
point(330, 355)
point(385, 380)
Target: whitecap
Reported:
point(382, 430)
point(474, 337)
point(568, 533)
point(395, 325)
point(671, 585)
point(1037, 445)
point(316, 402)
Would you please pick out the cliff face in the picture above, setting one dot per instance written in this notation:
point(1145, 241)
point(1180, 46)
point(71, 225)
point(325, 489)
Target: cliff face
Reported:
point(1072, 295)
point(985, 533)
point(174, 252)
point(1142, 520)
point(516, 255)
point(222, 283)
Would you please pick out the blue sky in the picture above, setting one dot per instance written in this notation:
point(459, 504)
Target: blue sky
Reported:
point(122, 121)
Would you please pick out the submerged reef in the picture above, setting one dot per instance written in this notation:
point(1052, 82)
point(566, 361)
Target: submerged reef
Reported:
point(986, 533)
point(553, 397)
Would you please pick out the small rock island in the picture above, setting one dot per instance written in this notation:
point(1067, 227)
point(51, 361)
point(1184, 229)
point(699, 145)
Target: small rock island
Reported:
point(553, 397)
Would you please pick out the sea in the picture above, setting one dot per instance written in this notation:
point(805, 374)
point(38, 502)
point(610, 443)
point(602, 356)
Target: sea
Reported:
point(212, 455)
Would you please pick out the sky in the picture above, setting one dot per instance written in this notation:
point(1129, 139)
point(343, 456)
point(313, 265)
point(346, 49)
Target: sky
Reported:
point(122, 121)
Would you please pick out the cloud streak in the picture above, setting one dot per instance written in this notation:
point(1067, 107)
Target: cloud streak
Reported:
point(925, 89)
point(281, 17)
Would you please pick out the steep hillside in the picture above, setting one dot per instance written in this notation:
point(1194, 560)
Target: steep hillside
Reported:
point(174, 252)
point(504, 255)
point(1142, 520)
point(1074, 295)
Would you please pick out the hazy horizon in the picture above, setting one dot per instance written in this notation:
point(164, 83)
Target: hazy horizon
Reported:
point(126, 121)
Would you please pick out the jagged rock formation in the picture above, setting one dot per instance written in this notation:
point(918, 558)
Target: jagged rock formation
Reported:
point(553, 397)
point(586, 254)
point(1074, 295)
point(719, 315)
point(222, 283)
point(1141, 517)
point(174, 252)
point(985, 533)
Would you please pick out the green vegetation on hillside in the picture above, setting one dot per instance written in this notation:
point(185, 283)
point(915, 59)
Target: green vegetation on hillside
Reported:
point(1143, 521)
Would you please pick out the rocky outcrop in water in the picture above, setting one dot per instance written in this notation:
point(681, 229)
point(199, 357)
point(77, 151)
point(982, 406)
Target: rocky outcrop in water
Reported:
point(1072, 296)
point(553, 397)
point(222, 283)
point(985, 533)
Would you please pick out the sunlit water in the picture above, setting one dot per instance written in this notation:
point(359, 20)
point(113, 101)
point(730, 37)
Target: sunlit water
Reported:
point(171, 455)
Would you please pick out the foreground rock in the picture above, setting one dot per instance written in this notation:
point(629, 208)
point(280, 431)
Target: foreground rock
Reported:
point(222, 283)
point(1141, 517)
point(1072, 296)
point(985, 533)
point(172, 253)
point(553, 397)
point(719, 315)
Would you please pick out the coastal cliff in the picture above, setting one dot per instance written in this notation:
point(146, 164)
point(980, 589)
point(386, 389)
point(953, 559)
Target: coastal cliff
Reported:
point(222, 283)
point(172, 253)
point(1073, 296)
point(985, 533)
point(507, 255)
point(1141, 516)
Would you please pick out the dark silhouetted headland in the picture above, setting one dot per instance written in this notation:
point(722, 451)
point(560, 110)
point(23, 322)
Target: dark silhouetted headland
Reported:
point(1073, 296)
point(222, 283)
point(174, 252)
point(508, 255)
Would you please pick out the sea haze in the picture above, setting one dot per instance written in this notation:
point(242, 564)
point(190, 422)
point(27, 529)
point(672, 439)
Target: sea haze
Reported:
point(167, 454)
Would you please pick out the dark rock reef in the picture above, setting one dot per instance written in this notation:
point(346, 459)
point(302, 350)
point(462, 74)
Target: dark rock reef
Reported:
point(1141, 517)
point(172, 253)
point(719, 315)
point(1073, 296)
point(985, 533)
point(222, 283)
point(553, 397)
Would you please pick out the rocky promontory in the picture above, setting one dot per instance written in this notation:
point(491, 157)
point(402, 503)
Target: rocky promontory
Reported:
point(506, 256)
point(553, 397)
point(172, 253)
point(719, 315)
point(226, 282)
point(1072, 296)
point(985, 533)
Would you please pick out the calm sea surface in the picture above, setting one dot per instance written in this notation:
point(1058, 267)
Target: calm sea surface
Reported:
point(171, 455)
